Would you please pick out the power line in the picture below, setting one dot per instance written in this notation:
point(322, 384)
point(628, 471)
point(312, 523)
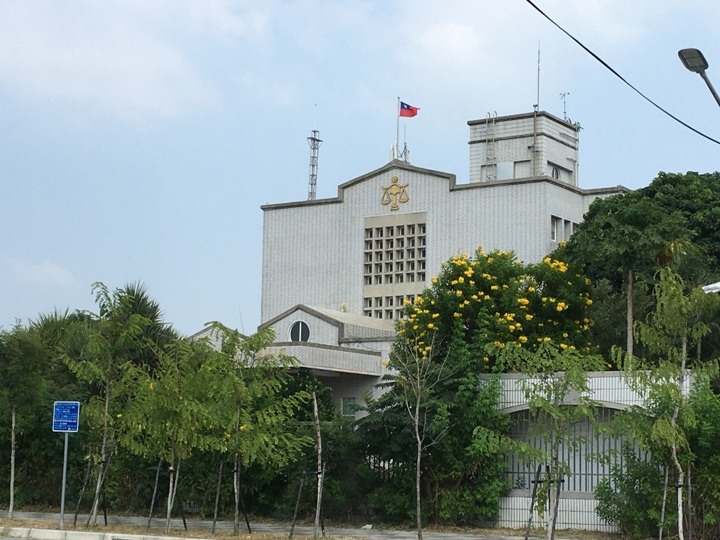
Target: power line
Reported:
point(596, 57)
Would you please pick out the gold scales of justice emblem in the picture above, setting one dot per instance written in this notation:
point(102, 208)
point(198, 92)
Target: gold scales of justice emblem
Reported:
point(394, 193)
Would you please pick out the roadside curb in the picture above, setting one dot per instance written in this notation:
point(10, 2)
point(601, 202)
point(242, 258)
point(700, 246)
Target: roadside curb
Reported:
point(53, 534)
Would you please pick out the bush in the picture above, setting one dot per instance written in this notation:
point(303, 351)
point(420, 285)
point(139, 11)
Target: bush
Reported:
point(632, 498)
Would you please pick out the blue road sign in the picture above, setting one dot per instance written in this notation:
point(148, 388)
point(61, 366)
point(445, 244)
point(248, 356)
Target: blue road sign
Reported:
point(66, 416)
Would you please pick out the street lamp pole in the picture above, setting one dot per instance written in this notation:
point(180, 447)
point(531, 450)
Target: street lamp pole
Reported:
point(694, 61)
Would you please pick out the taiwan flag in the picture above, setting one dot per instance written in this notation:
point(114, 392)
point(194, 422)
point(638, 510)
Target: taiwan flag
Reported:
point(408, 110)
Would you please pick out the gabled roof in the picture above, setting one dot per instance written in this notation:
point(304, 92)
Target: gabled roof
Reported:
point(394, 164)
point(350, 327)
point(212, 333)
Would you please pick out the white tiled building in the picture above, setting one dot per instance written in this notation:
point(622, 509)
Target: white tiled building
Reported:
point(337, 271)
point(387, 232)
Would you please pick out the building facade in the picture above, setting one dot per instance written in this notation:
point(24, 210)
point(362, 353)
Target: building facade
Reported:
point(387, 232)
point(376, 245)
point(336, 272)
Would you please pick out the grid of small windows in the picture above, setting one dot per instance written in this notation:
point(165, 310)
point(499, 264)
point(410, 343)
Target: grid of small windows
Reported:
point(387, 307)
point(394, 255)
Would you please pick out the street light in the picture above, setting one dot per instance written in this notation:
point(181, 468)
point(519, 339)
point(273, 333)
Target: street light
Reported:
point(694, 60)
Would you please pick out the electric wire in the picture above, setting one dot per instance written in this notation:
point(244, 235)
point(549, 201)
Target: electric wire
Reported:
point(596, 57)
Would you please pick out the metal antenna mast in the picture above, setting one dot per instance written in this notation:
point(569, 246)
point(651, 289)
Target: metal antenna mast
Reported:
point(563, 96)
point(314, 142)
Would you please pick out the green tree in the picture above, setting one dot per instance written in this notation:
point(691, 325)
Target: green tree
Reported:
point(632, 497)
point(416, 376)
point(262, 428)
point(663, 378)
point(623, 235)
point(696, 197)
point(22, 364)
point(101, 350)
point(178, 407)
point(156, 333)
point(703, 442)
point(475, 309)
point(492, 298)
point(672, 221)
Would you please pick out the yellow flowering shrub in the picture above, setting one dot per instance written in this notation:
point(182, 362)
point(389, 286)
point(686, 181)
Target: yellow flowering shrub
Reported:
point(504, 302)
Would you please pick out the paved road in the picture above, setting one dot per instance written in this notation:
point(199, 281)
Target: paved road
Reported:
point(278, 528)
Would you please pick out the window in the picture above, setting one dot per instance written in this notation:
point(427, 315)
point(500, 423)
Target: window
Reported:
point(555, 228)
point(505, 170)
point(347, 407)
point(394, 258)
point(299, 331)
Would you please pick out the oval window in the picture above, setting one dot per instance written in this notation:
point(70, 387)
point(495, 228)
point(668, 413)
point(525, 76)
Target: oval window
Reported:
point(299, 331)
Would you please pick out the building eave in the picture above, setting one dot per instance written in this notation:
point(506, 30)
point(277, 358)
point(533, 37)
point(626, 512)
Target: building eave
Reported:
point(392, 165)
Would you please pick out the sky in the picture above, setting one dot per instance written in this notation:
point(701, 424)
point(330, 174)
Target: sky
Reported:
point(139, 139)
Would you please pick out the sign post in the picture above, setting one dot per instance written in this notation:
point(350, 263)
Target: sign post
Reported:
point(66, 419)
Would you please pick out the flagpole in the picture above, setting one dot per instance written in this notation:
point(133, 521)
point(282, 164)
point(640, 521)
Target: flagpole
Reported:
point(396, 153)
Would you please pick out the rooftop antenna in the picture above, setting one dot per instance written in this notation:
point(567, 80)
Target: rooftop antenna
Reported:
point(405, 154)
point(314, 141)
point(563, 96)
point(536, 108)
point(537, 101)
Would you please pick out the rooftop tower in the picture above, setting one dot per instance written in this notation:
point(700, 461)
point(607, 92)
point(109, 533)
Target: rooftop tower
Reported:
point(524, 146)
